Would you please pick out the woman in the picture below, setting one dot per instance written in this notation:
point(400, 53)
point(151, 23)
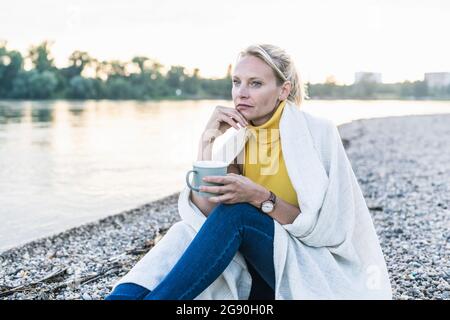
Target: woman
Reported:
point(256, 239)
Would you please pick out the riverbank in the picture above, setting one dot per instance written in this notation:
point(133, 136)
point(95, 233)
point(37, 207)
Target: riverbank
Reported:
point(402, 165)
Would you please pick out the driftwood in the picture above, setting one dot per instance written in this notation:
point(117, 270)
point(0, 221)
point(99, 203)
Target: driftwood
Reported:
point(116, 265)
point(47, 278)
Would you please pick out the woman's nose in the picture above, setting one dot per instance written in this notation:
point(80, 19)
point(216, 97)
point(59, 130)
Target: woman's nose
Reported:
point(242, 91)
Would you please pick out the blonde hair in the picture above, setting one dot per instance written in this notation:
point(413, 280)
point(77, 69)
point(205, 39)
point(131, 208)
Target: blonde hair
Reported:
point(282, 66)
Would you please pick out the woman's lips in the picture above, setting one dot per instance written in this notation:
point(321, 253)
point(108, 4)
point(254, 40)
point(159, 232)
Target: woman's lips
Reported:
point(243, 107)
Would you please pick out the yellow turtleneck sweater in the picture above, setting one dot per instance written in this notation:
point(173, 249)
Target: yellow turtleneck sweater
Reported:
point(264, 163)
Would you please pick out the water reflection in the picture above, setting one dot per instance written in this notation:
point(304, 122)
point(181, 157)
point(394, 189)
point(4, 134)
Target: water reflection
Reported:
point(10, 113)
point(75, 162)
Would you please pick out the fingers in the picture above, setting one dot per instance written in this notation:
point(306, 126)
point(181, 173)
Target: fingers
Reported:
point(228, 191)
point(242, 116)
point(226, 118)
point(238, 118)
point(223, 198)
point(233, 114)
point(214, 189)
point(220, 179)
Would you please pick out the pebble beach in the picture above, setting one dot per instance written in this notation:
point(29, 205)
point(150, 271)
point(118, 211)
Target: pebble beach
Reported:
point(402, 165)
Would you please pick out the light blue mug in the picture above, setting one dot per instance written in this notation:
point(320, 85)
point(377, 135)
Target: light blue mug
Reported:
point(202, 169)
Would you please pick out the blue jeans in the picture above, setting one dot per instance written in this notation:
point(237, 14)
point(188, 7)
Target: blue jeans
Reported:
point(229, 228)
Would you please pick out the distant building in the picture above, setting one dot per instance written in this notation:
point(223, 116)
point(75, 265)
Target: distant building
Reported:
point(437, 79)
point(368, 76)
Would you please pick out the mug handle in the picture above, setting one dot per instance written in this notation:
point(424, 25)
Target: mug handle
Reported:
point(188, 183)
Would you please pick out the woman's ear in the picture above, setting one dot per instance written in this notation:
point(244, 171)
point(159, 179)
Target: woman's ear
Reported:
point(285, 90)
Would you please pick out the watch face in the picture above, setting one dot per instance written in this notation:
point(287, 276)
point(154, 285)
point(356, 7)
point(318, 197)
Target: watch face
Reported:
point(267, 206)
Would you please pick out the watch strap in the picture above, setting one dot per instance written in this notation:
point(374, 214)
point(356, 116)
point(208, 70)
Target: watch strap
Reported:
point(272, 198)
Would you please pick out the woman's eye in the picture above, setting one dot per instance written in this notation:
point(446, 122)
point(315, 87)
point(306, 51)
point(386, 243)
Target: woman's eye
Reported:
point(253, 83)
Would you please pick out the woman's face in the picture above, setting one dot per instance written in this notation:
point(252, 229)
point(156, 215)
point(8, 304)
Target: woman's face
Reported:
point(254, 85)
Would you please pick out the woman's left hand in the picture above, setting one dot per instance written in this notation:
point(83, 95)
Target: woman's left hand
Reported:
point(236, 188)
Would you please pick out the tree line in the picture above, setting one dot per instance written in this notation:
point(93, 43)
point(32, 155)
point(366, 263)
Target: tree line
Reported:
point(35, 76)
point(366, 89)
point(88, 78)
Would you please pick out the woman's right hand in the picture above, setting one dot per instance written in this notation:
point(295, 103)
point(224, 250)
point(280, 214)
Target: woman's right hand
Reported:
point(221, 120)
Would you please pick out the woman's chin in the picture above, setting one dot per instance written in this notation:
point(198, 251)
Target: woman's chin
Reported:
point(247, 115)
point(249, 119)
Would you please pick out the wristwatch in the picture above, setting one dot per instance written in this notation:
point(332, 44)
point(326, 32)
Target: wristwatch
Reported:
point(268, 205)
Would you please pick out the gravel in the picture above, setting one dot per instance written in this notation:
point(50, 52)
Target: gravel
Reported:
point(84, 262)
point(402, 165)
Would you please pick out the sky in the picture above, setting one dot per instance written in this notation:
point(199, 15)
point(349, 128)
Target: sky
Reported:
point(401, 39)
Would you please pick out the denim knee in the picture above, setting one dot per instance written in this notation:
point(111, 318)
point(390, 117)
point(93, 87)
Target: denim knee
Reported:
point(235, 213)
